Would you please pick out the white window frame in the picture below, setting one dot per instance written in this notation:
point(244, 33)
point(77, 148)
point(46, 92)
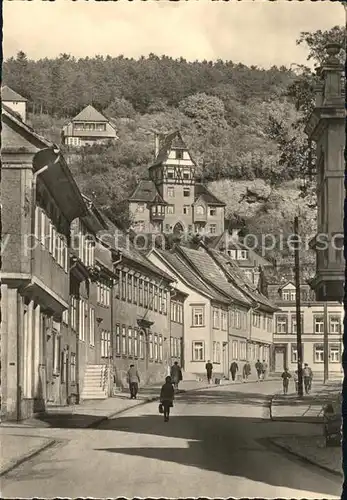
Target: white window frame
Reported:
point(198, 316)
point(150, 345)
point(136, 353)
point(318, 353)
point(216, 318)
point(235, 349)
point(130, 342)
point(198, 350)
point(318, 325)
point(91, 326)
point(213, 228)
point(334, 354)
point(72, 367)
point(170, 192)
point(281, 323)
point(160, 348)
point(334, 321)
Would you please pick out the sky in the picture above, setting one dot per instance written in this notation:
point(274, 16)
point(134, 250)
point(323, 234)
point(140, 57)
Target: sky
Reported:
point(257, 32)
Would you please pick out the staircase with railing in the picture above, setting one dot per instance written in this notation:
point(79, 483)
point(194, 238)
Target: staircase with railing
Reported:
point(95, 382)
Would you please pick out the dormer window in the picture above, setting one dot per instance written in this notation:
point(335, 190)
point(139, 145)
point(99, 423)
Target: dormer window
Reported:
point(200, 210)
point(186, 175)
point(232, 254)
point(242, 255)
point(179, 154)
point(289, 295)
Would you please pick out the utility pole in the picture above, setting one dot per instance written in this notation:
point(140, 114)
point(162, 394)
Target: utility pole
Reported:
point(326, 344)
point(298, 306)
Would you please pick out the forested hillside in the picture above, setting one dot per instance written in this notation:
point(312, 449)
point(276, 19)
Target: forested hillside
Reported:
point(244, 126)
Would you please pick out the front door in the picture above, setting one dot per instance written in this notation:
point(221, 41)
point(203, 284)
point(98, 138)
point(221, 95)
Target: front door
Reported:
point(279, 360)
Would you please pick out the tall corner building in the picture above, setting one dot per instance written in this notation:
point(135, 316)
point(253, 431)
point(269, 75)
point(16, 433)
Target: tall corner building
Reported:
point(171, 200)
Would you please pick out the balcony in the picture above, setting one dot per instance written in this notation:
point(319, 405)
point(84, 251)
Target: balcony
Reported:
point(200, 217)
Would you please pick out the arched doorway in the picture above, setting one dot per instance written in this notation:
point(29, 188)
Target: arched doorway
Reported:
point(178, 228)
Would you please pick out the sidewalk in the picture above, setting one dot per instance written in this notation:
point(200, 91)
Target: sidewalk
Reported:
point(309, 408)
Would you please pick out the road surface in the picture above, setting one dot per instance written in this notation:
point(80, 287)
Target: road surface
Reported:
point(215, 445)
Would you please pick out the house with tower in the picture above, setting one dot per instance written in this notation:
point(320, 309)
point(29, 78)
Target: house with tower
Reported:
point(171, 200)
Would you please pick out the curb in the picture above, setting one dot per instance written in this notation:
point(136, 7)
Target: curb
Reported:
point(30, 455)
point(305, 459)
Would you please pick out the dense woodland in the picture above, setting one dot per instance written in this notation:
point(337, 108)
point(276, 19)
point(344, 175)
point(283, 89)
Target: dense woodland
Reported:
point(243, 125)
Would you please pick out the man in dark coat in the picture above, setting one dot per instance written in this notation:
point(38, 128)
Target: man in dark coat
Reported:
point(233, 369)
point(176, 375)
point(209, 368)
point(133, 381)
point(246, 370)
point(259, 368)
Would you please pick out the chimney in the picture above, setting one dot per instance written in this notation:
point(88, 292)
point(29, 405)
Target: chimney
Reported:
point(235, 234)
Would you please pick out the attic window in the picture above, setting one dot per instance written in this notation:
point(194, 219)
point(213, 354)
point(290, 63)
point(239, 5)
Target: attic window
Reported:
point(179, 154)
point(186, 192)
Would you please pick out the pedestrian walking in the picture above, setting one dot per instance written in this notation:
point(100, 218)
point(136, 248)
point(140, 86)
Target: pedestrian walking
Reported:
point(176, 375)
point(296, 380)
point(285, 377)
point(259, 368)
point(133, 381)
point(264, 369)
point(233, 369)
point(246, 371)
point(308, 376)
point(209, 368)
point(167, 395)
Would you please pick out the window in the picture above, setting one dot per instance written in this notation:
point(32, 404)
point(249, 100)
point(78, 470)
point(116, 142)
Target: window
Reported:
point(334, 354)
point(171, 192)
point(124, 340)
point(124, 286)
point(215, 316)
point(135, 343)
point(198, 316)
point(170, 174)
point(213, 211)
point(135, 292)
point(224, 320)
point(140, 292)
point(146, 294)
point(73, 312)
point(72, 367)
point(334, 324)
point(103, 294)
point(155, 297)
point(235, 349)
point(216, 352)
point(140, 225)
point(91, 326)
point(160, 300)
point(294, 353)
point(242, 254)
point(237, 319)
point(118, 343)
point(294, 323)
point(171, 209)
point(172, 346)
point(165, 301)
point(82, 320)
point(179, 154)
point(141, 350)
point(56, 353)
point(186, 192)
point(160, 348)
point(232, 254)
point(289, 295)
point(213, 228)
point(281, 324)
point(150, 296)
point(150, 345)
point(269, 325)
point(65, 317)
point(199, 210)
point(186, 175)
point(156, 347)
point(319, 324)
point(243, 351)
point(130, 342)
point(186, 209)
point(167, 227)
point(318, 354)
point(198, 351)
point(141, 207)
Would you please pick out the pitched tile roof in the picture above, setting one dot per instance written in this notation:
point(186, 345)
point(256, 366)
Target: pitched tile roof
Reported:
point(119, 240)
point(202, 262)
point(240, 280)
point(167, 142)
point(7, 94)
point(207, 196)
point(284, 273)
point(191, 278)
point(146, 191)
point(89, 113)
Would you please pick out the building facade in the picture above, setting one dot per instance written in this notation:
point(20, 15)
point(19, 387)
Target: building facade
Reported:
point(87, 128)
point(14, 101)
point(172, 200)
point(326, 127)
point(39, 201)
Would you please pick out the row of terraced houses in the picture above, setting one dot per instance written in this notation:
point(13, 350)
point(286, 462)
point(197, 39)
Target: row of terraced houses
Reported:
point(80, 301)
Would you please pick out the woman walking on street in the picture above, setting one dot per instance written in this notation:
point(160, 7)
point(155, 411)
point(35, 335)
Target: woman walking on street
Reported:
point(167, 395)
point(286, 376)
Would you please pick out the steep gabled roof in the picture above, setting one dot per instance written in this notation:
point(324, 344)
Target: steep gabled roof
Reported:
point(282, 274)
point(207, 196)
point(189, 276)
point(89, 113)
point(167, 142)
point(209, 271)
point(7, 94)
point(146, 191)
point(119, 241)
point(240, 280)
